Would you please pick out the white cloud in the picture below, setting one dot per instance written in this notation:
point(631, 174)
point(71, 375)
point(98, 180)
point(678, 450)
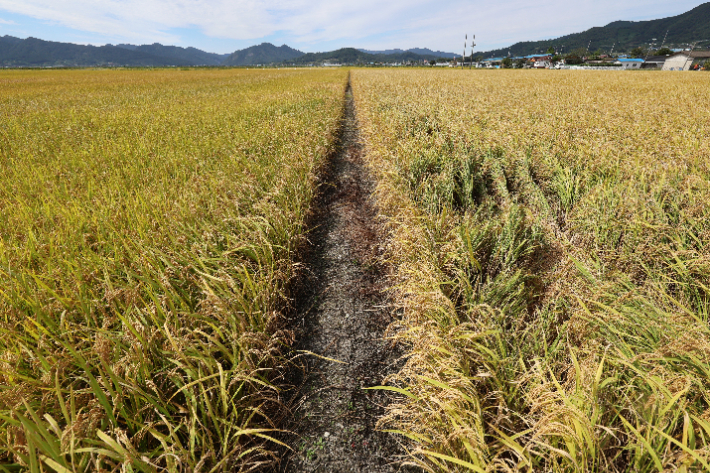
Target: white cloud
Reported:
point(366, 23)
point(6, 22)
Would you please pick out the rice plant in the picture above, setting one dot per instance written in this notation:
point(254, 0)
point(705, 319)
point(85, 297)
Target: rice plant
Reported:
point(549, 239)
point(149, 222)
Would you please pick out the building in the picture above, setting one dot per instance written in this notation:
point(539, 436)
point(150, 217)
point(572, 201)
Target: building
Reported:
point(538, 57)
point(629, 64)
point(654, 62)
point(683, 60)
point(492, 62)
point(538, 61)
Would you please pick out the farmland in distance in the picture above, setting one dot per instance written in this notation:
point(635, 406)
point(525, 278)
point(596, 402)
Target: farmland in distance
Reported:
point(549, 238)
point(149, 221)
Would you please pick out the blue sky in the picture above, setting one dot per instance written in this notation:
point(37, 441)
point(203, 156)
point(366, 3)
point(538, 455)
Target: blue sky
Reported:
point(223, 26)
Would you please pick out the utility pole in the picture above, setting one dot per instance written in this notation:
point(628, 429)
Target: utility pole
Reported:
point(649, 49)
point(690, 56)
point(588, 45)
point(612, 49)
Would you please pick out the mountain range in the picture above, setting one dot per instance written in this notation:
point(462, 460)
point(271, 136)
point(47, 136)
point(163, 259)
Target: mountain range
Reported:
point(33, 52)
point(623, 36)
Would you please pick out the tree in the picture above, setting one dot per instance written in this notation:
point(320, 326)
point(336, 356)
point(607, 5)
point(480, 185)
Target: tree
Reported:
point(664, 52)
point(551, 50)
point(581, 52)
point(638, 52)
point(706, 66)
point(597, 54)
point(573, 59)
point(520, 63)
point(507, 63)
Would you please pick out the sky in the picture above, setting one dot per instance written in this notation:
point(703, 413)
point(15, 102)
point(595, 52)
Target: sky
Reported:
point(223, 26)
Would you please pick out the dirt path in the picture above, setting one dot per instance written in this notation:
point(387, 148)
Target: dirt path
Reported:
point(343, 316)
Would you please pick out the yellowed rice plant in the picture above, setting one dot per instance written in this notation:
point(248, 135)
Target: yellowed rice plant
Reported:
point(550, 236)
point(148, 224)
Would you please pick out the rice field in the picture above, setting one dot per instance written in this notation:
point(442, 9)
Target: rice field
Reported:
point(149, 222)
point(549, 239)
point(547, 235)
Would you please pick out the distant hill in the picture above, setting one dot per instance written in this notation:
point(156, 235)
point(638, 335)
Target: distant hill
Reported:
point(35, 52)
point(9, 40)
point(682, 29)
point(356, 56)
point(429, 52)
point(264, 53)
point(421, 51)
point(185, 55)
point(340, 56)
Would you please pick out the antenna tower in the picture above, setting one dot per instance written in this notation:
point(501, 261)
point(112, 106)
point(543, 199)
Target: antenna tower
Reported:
point(664, 39)
point(473, 45)
point(463, 57)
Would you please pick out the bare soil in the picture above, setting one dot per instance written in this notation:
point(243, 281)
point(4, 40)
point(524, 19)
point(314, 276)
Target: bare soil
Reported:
point(342, 315)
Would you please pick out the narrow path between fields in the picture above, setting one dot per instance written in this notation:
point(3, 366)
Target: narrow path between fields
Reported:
point(343, 316)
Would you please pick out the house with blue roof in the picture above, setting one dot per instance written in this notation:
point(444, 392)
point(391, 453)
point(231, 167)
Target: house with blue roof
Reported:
point(629, 63)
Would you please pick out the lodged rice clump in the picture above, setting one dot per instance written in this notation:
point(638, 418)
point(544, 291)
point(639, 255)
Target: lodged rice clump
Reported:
point(551, 245)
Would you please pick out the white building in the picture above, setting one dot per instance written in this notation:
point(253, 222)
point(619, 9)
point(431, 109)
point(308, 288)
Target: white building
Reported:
point(630, 63)
point(683, 60)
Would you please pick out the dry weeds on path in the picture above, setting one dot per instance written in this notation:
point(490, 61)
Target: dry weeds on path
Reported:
point(342, 316)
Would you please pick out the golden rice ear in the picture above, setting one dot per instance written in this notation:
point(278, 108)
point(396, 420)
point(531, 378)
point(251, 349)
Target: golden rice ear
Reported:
point(558, 319)
point(150, 229)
